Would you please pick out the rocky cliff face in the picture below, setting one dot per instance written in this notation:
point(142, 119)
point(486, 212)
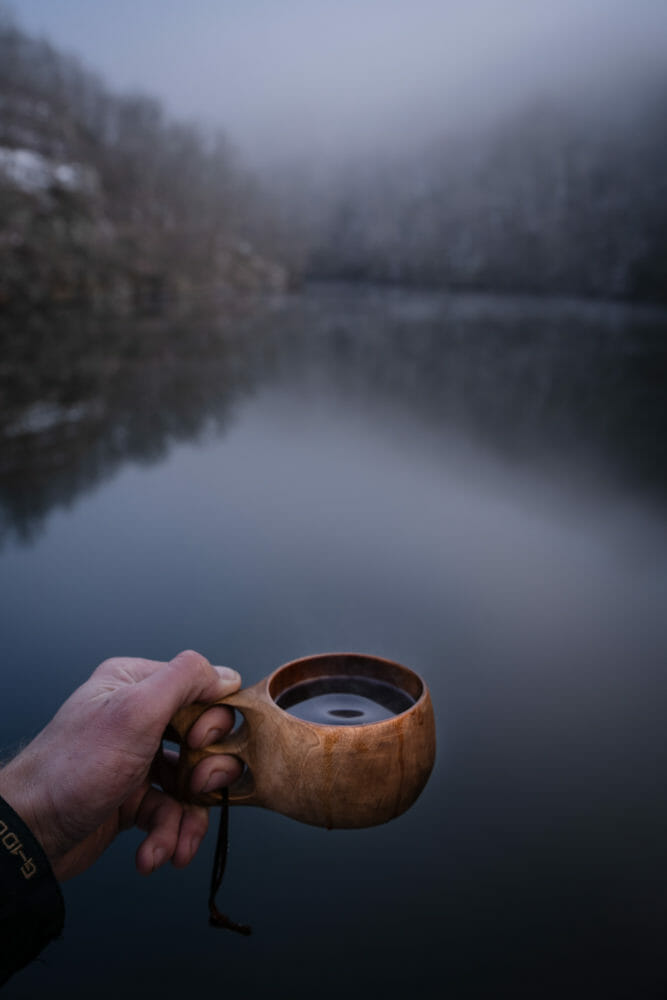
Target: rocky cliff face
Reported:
point(60, 243)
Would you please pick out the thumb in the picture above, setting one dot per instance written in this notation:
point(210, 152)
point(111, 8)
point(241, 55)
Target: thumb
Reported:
point(187, 678)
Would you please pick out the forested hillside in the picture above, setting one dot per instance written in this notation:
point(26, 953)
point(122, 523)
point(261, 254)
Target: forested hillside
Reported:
point(562, 197)
point(105, 200)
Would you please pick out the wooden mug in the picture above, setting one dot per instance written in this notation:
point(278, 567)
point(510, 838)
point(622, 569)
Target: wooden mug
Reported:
point(336, 776)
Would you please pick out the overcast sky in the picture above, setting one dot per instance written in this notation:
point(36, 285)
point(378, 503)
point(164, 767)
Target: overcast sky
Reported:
point(286, 75)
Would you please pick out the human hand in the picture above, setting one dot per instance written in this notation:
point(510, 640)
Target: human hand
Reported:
point(93, 770)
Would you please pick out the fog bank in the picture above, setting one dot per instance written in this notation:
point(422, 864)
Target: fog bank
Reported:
point(311, 78)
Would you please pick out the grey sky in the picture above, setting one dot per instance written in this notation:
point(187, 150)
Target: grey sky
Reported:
point(283, 76)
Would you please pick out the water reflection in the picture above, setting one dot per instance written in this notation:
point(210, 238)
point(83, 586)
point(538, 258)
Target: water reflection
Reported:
point(83, 395)
point(446, 482)
point(534, 380)
point(576, 389)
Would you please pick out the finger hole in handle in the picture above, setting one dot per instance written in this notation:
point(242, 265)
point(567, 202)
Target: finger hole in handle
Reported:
point(234, 744)
point(242, 791)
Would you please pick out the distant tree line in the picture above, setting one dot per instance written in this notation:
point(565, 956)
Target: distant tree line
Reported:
point(561, 198)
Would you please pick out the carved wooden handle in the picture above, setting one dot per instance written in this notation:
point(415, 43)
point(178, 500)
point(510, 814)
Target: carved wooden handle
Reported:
point(243, 790)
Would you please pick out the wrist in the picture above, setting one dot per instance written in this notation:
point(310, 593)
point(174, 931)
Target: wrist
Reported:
point(18, 789)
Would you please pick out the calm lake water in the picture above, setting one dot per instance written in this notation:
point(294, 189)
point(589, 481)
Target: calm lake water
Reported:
point(475, 487)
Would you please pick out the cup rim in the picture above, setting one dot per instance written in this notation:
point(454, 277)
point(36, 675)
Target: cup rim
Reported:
point(319, 665)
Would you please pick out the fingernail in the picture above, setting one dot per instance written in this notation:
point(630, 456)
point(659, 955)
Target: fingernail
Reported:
point(212, 736)
point(227, 674)
point(218, 779)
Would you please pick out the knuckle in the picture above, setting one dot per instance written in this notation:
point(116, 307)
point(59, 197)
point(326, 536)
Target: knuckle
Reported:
point(193, 659)
point(110, 664)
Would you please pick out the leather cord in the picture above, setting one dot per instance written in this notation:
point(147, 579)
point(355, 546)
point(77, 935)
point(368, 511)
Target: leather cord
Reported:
point(215, 917)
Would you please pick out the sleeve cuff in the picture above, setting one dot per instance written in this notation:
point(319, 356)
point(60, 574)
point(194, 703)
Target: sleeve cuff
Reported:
point(32, 909)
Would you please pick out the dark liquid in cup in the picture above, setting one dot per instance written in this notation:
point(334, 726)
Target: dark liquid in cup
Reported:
point(344, 701)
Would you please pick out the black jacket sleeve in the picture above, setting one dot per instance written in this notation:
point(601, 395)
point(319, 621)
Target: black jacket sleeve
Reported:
point(32, 910)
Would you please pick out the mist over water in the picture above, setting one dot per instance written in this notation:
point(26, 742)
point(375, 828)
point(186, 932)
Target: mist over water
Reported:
point(503, 147)
point(440, 439)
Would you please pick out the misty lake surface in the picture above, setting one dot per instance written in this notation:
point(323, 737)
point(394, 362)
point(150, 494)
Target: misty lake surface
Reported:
point(473, 486)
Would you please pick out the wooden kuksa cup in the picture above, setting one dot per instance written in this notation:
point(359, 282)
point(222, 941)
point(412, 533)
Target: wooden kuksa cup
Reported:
point(339, 776)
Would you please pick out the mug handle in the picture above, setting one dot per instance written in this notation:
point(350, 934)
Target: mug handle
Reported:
point(243, 790)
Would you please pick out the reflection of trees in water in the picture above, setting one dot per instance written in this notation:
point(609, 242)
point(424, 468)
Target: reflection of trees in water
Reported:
point(577, 384)
point(80, 396)
point(580, 384)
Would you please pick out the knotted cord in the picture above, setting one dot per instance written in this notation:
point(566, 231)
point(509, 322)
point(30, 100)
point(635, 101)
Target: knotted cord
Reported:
point(215, 917)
